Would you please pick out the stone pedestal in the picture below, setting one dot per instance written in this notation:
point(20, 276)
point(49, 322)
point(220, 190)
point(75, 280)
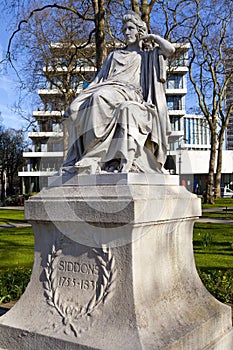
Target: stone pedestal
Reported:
point(114, 269)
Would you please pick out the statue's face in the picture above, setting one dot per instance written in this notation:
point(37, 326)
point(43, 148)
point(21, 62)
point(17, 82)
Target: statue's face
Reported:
point(130, 32)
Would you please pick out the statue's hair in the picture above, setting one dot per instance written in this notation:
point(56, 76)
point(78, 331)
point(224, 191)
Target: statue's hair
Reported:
point(135, 18)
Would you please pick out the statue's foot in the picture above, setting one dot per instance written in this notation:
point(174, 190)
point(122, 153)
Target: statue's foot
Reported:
point(135, 169)
point(66, 170)
point(113, 166)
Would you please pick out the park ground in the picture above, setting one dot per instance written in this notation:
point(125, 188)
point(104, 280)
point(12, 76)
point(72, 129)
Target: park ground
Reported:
point(212, 242)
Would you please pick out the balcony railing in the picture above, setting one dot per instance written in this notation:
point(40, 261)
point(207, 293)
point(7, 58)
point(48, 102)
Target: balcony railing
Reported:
point(42, 154)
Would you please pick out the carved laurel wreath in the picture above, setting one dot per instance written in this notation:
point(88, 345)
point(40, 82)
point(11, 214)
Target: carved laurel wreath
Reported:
point(72, 312)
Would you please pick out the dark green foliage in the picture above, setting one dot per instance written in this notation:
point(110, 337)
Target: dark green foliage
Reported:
point(13, 283)
point(219, 283)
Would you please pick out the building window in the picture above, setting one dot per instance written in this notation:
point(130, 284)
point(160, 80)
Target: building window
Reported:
point(174, 103)
point(179, 60)
point(174, 82)
point(196, 131)
point(45, 125)
point(175, 123)
point(44, 147)
point(57, 83)
point(57, 127)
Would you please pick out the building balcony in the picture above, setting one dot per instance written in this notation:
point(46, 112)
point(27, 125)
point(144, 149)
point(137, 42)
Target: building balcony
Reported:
point(181, 46)
point(194, 146)
point(176, 112)
point(176, 92)
point(45, 134)
point(47, 114)
point(47, 95)
point(175, 134)
point(49, 92)
point(46, 173)
point(63, 69)
point(179, 70)
point(42, 154)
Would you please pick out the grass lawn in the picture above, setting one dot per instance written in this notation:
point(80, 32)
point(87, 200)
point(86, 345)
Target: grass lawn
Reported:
point(219, 202)
point(16, 243)
point(11, 215)
point(16, 247)
point(223, 214)
point(213, 250)
point(213, 242)
point(213, 245)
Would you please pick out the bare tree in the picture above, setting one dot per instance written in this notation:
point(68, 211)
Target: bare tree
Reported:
point(207, 26)
point(209, 39)
point(82, 28)
point(38, 34)
point(11, 157)
point(59, 41)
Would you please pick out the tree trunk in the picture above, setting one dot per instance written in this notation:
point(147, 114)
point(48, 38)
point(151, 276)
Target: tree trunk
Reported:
point(217, 191)
point(3, 187)
point(10, 183)
point(135, 6)
point(101, 50)
point(209, 193)
point(146, 13)
point(145, 10)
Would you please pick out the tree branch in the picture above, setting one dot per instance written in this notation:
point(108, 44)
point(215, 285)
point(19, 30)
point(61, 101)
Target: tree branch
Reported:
point(25, 21)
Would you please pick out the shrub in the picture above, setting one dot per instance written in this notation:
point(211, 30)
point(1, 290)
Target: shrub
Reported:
point(13, 283)
point(11, 200)
point(219, 283)
point(206, 239)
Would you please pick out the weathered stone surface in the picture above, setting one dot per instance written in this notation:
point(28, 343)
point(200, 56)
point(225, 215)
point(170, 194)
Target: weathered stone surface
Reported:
point(120, 122)
point(114, 269)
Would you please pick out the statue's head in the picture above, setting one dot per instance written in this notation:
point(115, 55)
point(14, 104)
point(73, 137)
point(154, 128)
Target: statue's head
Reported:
point(133, 17)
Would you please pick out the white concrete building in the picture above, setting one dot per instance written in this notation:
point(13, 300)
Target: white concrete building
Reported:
point(45, 156)
point(229, 98)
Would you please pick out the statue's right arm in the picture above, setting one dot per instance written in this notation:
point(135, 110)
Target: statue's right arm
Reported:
point(165, 47)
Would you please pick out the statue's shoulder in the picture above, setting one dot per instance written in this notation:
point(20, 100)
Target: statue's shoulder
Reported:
point(116, 52)
point(110, 56)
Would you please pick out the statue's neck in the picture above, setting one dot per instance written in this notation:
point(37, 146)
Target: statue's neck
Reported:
point(133, 47)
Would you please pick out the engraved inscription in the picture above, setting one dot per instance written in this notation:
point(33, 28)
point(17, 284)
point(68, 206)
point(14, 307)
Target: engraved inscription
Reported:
point(84, 268)
point(73, 282)
point(75, 287)
point(78, 275)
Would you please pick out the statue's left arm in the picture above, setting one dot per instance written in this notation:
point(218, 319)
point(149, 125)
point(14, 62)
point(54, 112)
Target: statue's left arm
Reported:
point(165, 47)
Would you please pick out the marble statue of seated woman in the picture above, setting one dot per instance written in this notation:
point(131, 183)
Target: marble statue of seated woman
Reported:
point(120, 123)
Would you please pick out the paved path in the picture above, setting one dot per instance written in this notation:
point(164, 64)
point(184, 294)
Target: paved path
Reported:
point(216, 220)
point(214, 209)
point(11, 224)
point(15, 208)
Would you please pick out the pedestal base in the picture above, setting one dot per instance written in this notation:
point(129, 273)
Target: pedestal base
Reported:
point(114, 269)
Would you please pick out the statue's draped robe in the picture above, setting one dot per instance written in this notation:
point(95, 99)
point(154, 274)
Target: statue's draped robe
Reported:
point(120, 112)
